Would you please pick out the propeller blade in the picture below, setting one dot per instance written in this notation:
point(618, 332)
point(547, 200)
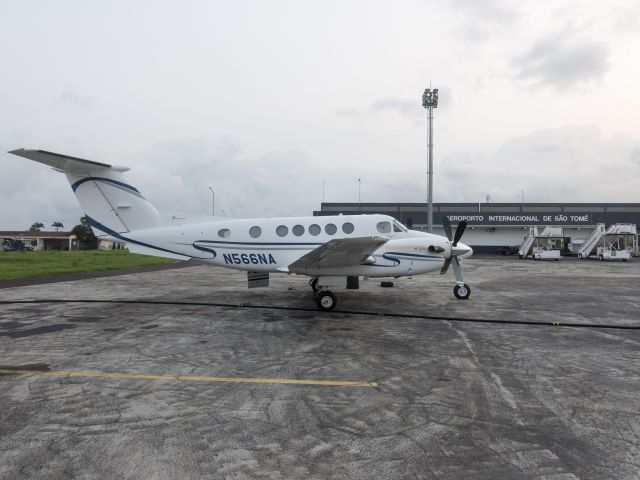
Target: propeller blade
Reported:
point(446, 224)
point(445, 267)
point(459, 231)
point(457, 270)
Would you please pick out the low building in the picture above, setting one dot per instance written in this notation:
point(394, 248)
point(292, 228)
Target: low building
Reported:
point(36, 241)
point(497, 227)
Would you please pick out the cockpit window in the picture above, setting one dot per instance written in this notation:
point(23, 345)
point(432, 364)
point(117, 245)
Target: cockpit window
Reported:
point(384, 227)
point(398, 227)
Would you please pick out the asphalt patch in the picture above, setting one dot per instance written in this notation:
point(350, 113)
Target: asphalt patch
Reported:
point(37, 331)
point(84, 319)
point(40, 367)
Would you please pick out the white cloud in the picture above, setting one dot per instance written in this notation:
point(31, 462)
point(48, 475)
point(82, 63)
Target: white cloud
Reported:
point(567, 164)
point(564, 62)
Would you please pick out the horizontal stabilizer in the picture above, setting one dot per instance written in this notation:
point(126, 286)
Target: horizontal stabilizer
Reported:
point(58, 161)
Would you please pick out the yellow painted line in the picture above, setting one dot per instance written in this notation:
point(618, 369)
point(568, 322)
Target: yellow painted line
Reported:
point(187, 378)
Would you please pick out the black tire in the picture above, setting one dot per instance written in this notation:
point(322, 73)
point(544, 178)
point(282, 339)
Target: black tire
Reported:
point(462, 292)
point(326, 301)
point(601, 258)
point(314, 284)
point(386, 284)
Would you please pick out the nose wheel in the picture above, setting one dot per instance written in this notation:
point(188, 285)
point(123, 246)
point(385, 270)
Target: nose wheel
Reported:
point(325, 300)
point(462, 292)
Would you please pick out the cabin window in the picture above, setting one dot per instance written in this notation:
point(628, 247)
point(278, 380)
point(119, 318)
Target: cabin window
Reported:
point(224, 233)
point(314, 229)
point(298, 230)
point(384, 227)
point(347, 227)
point(282, 231)
point(255, 231)
point(330, 228)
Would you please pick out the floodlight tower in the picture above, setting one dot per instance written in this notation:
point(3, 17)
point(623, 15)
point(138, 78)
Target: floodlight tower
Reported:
point(430, 101)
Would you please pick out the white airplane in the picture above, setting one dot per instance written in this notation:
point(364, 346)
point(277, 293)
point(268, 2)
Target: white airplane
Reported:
point(335, 251)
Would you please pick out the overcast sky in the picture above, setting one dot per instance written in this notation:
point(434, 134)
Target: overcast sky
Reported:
point(264, 100)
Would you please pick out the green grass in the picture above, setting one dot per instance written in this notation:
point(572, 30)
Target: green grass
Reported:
point(15, 265)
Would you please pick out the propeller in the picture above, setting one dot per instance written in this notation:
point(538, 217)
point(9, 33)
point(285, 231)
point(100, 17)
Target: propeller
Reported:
point(461, 290)
point(454, 239)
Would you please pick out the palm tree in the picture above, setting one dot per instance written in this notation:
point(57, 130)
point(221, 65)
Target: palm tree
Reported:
point(36, 226)
point(57, 225)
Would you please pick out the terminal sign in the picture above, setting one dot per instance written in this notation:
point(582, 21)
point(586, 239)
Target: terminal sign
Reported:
point(523, 219)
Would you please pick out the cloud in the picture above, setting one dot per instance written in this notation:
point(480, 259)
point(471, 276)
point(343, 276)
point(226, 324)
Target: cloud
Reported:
point(73, 98)
point(566, 164)
point(402, 106)
point(492, 11)
point(410, 109)
point(563, 62)
point(480, 21)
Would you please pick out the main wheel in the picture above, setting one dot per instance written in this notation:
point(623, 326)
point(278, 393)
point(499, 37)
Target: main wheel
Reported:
point(314, 284)
point(462, 292)
point(326, 301)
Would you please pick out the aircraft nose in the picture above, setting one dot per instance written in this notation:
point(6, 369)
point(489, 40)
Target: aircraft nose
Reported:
point(462, 250)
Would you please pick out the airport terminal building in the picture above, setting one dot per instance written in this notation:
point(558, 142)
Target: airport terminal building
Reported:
point(494, 227)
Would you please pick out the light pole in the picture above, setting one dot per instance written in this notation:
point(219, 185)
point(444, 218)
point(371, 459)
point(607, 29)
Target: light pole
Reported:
point(430, 101)
point(213, 201)
point(359, 188)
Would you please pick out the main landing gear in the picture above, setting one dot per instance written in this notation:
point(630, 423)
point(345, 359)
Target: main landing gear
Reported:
point(325, 299)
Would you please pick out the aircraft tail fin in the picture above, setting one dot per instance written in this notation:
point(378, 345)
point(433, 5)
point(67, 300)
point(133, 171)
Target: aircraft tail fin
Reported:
point(104, 192)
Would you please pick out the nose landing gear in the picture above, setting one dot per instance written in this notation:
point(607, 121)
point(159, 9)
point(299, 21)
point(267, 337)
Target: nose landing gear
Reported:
point(462, 292)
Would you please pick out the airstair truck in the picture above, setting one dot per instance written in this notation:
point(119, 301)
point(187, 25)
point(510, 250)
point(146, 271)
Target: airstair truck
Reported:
point(618, 243)
point(544, 245)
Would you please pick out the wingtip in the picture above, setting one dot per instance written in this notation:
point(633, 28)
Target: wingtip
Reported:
point(17, 151)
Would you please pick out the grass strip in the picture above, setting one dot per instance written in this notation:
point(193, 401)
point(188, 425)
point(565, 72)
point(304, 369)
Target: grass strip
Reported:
point(15, 265)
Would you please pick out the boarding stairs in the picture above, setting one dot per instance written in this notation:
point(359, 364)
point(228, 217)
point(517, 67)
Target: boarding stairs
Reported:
point(619, 243)
point(525, 248)
point(539, 243)
point(589, 245)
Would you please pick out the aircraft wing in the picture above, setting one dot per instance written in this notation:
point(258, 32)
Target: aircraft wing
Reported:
point(341, 252)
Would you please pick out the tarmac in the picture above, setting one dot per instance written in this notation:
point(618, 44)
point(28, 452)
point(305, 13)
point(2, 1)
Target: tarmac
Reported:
point(184, 373)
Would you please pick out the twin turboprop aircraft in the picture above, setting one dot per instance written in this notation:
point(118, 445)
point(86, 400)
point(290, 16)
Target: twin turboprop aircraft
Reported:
point(335, 251)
